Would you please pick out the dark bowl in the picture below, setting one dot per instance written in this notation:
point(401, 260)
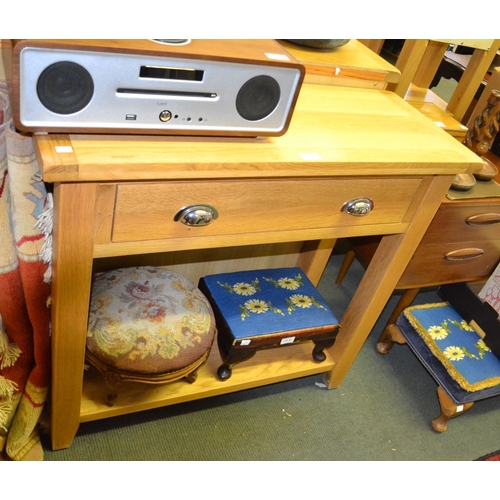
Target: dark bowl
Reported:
point(317, 43)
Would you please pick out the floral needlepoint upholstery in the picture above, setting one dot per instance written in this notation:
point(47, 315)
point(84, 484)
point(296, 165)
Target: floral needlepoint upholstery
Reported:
point(463, 366)
point(456, 345)
point(267, 308)
point(148, 324)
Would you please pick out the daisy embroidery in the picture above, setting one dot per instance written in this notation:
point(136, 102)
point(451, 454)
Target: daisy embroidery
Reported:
point(437, 332)
point(256, 306)
point(454, 353)
point(244, 289)
point(288, 283)
point(302, 301)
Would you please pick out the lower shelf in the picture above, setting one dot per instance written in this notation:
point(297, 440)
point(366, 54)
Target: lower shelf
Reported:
point(266, 367)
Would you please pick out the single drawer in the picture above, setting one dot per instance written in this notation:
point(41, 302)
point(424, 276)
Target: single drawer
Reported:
point(451, 262)
point(464, 223)
point(148, 211)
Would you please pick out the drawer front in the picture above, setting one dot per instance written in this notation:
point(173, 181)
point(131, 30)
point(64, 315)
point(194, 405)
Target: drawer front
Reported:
point(464, 223)
point(451, 262)
point(147, 211)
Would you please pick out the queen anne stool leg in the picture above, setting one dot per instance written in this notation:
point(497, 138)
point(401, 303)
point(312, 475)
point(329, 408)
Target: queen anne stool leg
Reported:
point(389, 336)
point(112, 380)
point(448, 410)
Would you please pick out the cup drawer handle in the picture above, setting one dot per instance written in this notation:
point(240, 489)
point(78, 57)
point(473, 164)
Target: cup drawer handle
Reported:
point(464, 254)
point(358, 206)
point(483, 219)
point(196, 215)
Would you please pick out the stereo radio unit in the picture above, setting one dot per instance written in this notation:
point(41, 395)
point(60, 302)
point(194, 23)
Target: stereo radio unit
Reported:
point(178, 87)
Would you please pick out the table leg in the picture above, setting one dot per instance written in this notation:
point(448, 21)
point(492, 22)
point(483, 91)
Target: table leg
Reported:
point(74, 214)
point(314, 257)
point(388, 264)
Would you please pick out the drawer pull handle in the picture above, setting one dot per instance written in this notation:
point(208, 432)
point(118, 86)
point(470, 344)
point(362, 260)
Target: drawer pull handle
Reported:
point(196, 215)
point(358, 206)
point(464, 254)
point(483, 219)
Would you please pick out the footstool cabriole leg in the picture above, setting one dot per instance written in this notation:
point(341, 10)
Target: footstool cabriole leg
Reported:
point(230, 359)
point(318, 351)
point(448, 410)
point(112, 380)
point(320, 344)
point(191, 377)
point(390, 335)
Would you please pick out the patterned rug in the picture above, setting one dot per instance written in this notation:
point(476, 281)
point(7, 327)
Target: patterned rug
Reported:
point(491, 457)
point(25, 252)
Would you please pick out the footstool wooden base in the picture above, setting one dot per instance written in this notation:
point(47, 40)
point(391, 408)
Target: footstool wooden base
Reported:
point(265, 309)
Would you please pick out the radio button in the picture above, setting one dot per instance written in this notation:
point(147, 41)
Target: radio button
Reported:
point(165, 116)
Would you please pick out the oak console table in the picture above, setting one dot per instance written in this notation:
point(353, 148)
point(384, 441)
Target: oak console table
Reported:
point(280, 202)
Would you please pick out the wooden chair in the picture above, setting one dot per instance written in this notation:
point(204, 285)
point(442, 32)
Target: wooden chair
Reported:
point(419, 61)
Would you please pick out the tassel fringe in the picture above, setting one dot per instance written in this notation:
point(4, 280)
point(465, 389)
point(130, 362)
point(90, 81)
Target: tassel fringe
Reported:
point(9, 352)
point(44, 224)
point(7, 389)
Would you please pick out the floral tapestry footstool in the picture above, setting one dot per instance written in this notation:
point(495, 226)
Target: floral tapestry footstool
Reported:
point(264, 309)
point(147, 324)
point(458, 359)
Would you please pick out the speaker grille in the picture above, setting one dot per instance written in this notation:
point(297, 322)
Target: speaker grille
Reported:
point(258, 98)
point(65, 87)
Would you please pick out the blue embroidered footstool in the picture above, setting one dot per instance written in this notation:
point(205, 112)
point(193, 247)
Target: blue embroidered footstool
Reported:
point(461, 363)
point(147, 324)
point(267, 308)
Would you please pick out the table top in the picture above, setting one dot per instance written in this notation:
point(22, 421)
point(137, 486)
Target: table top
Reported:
point(335, 131)
point(352, 61)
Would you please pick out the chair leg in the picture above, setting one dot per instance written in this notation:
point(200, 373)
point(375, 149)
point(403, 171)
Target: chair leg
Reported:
point(448, 410)
point(384, 343)
point(405, 301)
point(346, 264)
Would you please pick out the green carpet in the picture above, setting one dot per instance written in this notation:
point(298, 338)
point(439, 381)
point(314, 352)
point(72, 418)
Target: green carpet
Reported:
point(381, 412)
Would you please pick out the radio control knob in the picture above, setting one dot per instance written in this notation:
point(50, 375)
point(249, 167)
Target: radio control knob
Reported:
point(165, 116)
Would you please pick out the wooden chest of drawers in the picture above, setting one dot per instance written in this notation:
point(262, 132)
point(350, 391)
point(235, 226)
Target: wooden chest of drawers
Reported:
point(462, 243)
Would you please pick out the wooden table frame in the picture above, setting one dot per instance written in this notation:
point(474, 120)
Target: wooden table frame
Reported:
point(356, 138)
point(350, 65)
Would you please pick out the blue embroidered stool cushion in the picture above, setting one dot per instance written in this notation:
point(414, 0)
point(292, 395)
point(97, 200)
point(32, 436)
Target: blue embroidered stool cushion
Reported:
point(147, 324)
point(267, 308)
point(453, 353)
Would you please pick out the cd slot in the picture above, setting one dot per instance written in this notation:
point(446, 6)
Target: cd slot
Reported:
point(166, 93)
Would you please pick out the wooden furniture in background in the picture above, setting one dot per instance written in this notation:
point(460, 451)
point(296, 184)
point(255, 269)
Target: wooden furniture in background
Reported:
point(351, 65)
point(281, 202)
point(462, 244)
point(374, 44)
point(493, 83)
point(419, 61)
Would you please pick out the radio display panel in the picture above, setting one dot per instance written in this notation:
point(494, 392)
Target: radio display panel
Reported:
point(166, 73)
